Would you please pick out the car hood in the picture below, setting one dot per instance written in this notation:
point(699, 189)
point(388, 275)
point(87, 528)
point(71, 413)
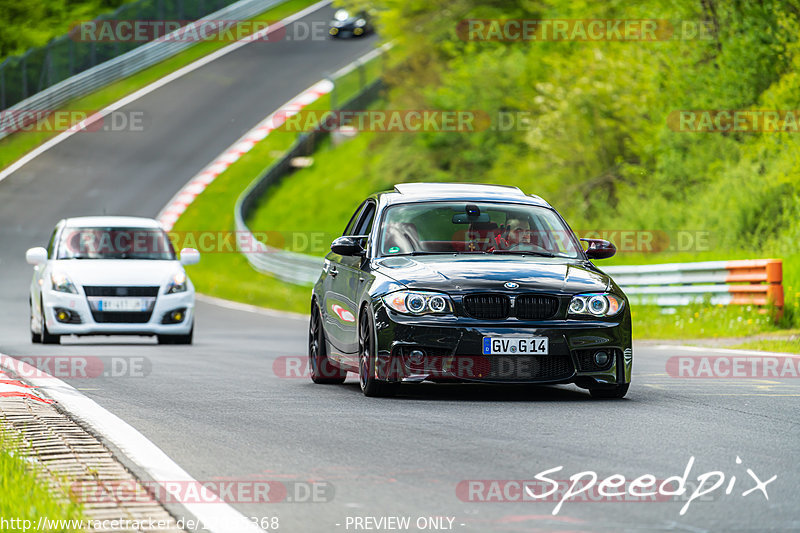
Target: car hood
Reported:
point(127, 272)
point(459, 274)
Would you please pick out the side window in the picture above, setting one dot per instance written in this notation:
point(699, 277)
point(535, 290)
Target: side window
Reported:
point(364, 225)
point(50, 245)
point(351, 226)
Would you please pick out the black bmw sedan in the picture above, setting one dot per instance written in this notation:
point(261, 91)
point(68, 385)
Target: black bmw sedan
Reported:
point(467, 283)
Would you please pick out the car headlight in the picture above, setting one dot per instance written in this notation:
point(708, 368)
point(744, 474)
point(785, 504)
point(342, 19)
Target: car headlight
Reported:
point(178, 283)
point(596, 304)
point(360, 22)
point(62, 283)
point(418, 302)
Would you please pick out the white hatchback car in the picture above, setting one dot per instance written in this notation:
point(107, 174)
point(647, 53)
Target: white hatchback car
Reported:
point(111, 276)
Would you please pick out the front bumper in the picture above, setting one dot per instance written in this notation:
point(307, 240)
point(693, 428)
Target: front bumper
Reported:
point(78, 304)
point(452, 350)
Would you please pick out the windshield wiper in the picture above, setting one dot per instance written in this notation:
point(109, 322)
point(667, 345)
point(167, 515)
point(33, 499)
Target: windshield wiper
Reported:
point(418, 252)
point(451, 252)
point(520, 252)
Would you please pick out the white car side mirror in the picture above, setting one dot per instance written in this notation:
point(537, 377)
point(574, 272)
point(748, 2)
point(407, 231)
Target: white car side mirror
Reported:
point(190, 256)
point(36, 256)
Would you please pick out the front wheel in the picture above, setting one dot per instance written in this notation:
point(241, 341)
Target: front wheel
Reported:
point(367, 354)
point(321, 368)
point(177, 339)
point(615, 392)
point(36, 338)
point(46, 337)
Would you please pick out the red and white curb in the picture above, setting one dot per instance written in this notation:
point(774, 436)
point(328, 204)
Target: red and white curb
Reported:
point(14, 388)
point(177, 206)
point(215, 514)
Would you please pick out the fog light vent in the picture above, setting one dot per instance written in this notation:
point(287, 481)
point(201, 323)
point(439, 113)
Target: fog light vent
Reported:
point(175, 316)
point(65, 316)
point(595, 360)
point(601, 359)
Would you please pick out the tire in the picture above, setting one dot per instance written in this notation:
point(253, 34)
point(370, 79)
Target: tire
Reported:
point(46, 337)
point(370, 386)
point(607, 393)
point(322, 370)
point(36, 338)
point(177, 339)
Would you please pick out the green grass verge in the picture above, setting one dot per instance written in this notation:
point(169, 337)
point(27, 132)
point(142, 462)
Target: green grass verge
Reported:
point(791, 345)
point(329, 196)
point(15, 146)
point(229, 275)
point(24, 496)
point(700, 321)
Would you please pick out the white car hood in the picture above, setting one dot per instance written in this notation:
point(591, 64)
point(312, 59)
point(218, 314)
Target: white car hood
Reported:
point(116, 272)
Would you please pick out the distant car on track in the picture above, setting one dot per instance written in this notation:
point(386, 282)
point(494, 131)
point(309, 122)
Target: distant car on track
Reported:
point(346, 24)
point(111, 276)
point(467, 283)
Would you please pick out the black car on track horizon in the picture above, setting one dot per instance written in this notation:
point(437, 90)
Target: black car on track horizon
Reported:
point(467, 283)
point(350, 24)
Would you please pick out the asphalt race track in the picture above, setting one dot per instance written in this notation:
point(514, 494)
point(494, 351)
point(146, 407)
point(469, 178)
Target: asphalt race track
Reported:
point(223, 409)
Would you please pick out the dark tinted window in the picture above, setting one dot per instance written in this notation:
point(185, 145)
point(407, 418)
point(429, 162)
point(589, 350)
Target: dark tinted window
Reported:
point(350, 228)
point(51, 244)
point(364, 225)
point(114, 243)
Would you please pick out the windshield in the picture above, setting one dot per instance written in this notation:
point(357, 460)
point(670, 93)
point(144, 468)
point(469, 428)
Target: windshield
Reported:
point(115, 243)
point(475, 227)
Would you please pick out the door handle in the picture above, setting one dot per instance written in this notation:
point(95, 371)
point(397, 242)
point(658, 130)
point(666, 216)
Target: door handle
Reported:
point(333, 272)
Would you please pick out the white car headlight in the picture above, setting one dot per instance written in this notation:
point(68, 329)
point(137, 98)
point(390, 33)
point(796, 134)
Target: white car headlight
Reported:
point(596, 304)
point(178, 283)
point(418, 302)
point(62, 283)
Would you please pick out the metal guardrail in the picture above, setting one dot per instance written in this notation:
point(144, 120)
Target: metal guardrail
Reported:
point(748, 282)
point(124, 65)
point(293, 267)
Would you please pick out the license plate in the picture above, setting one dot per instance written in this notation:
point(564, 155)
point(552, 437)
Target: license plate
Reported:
point(515, 345)
point(122, 304)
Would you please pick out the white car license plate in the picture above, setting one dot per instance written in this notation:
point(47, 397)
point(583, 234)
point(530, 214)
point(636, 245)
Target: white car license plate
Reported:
point(515, 345)
point(122, 304)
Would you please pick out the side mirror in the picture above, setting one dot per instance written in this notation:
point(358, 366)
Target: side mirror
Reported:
point(190, 256)
point(347, 246)
point(36, 256)
point(599, 249)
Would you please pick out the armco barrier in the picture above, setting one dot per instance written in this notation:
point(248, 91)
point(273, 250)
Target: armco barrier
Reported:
point(130, 62)
point(753, 282)
point(293, 267)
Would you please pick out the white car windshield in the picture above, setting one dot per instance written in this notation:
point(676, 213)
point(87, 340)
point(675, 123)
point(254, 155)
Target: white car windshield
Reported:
point(114, 243)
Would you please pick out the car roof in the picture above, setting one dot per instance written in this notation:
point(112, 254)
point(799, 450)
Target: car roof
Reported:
point(111, 221)
point(415, 192)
